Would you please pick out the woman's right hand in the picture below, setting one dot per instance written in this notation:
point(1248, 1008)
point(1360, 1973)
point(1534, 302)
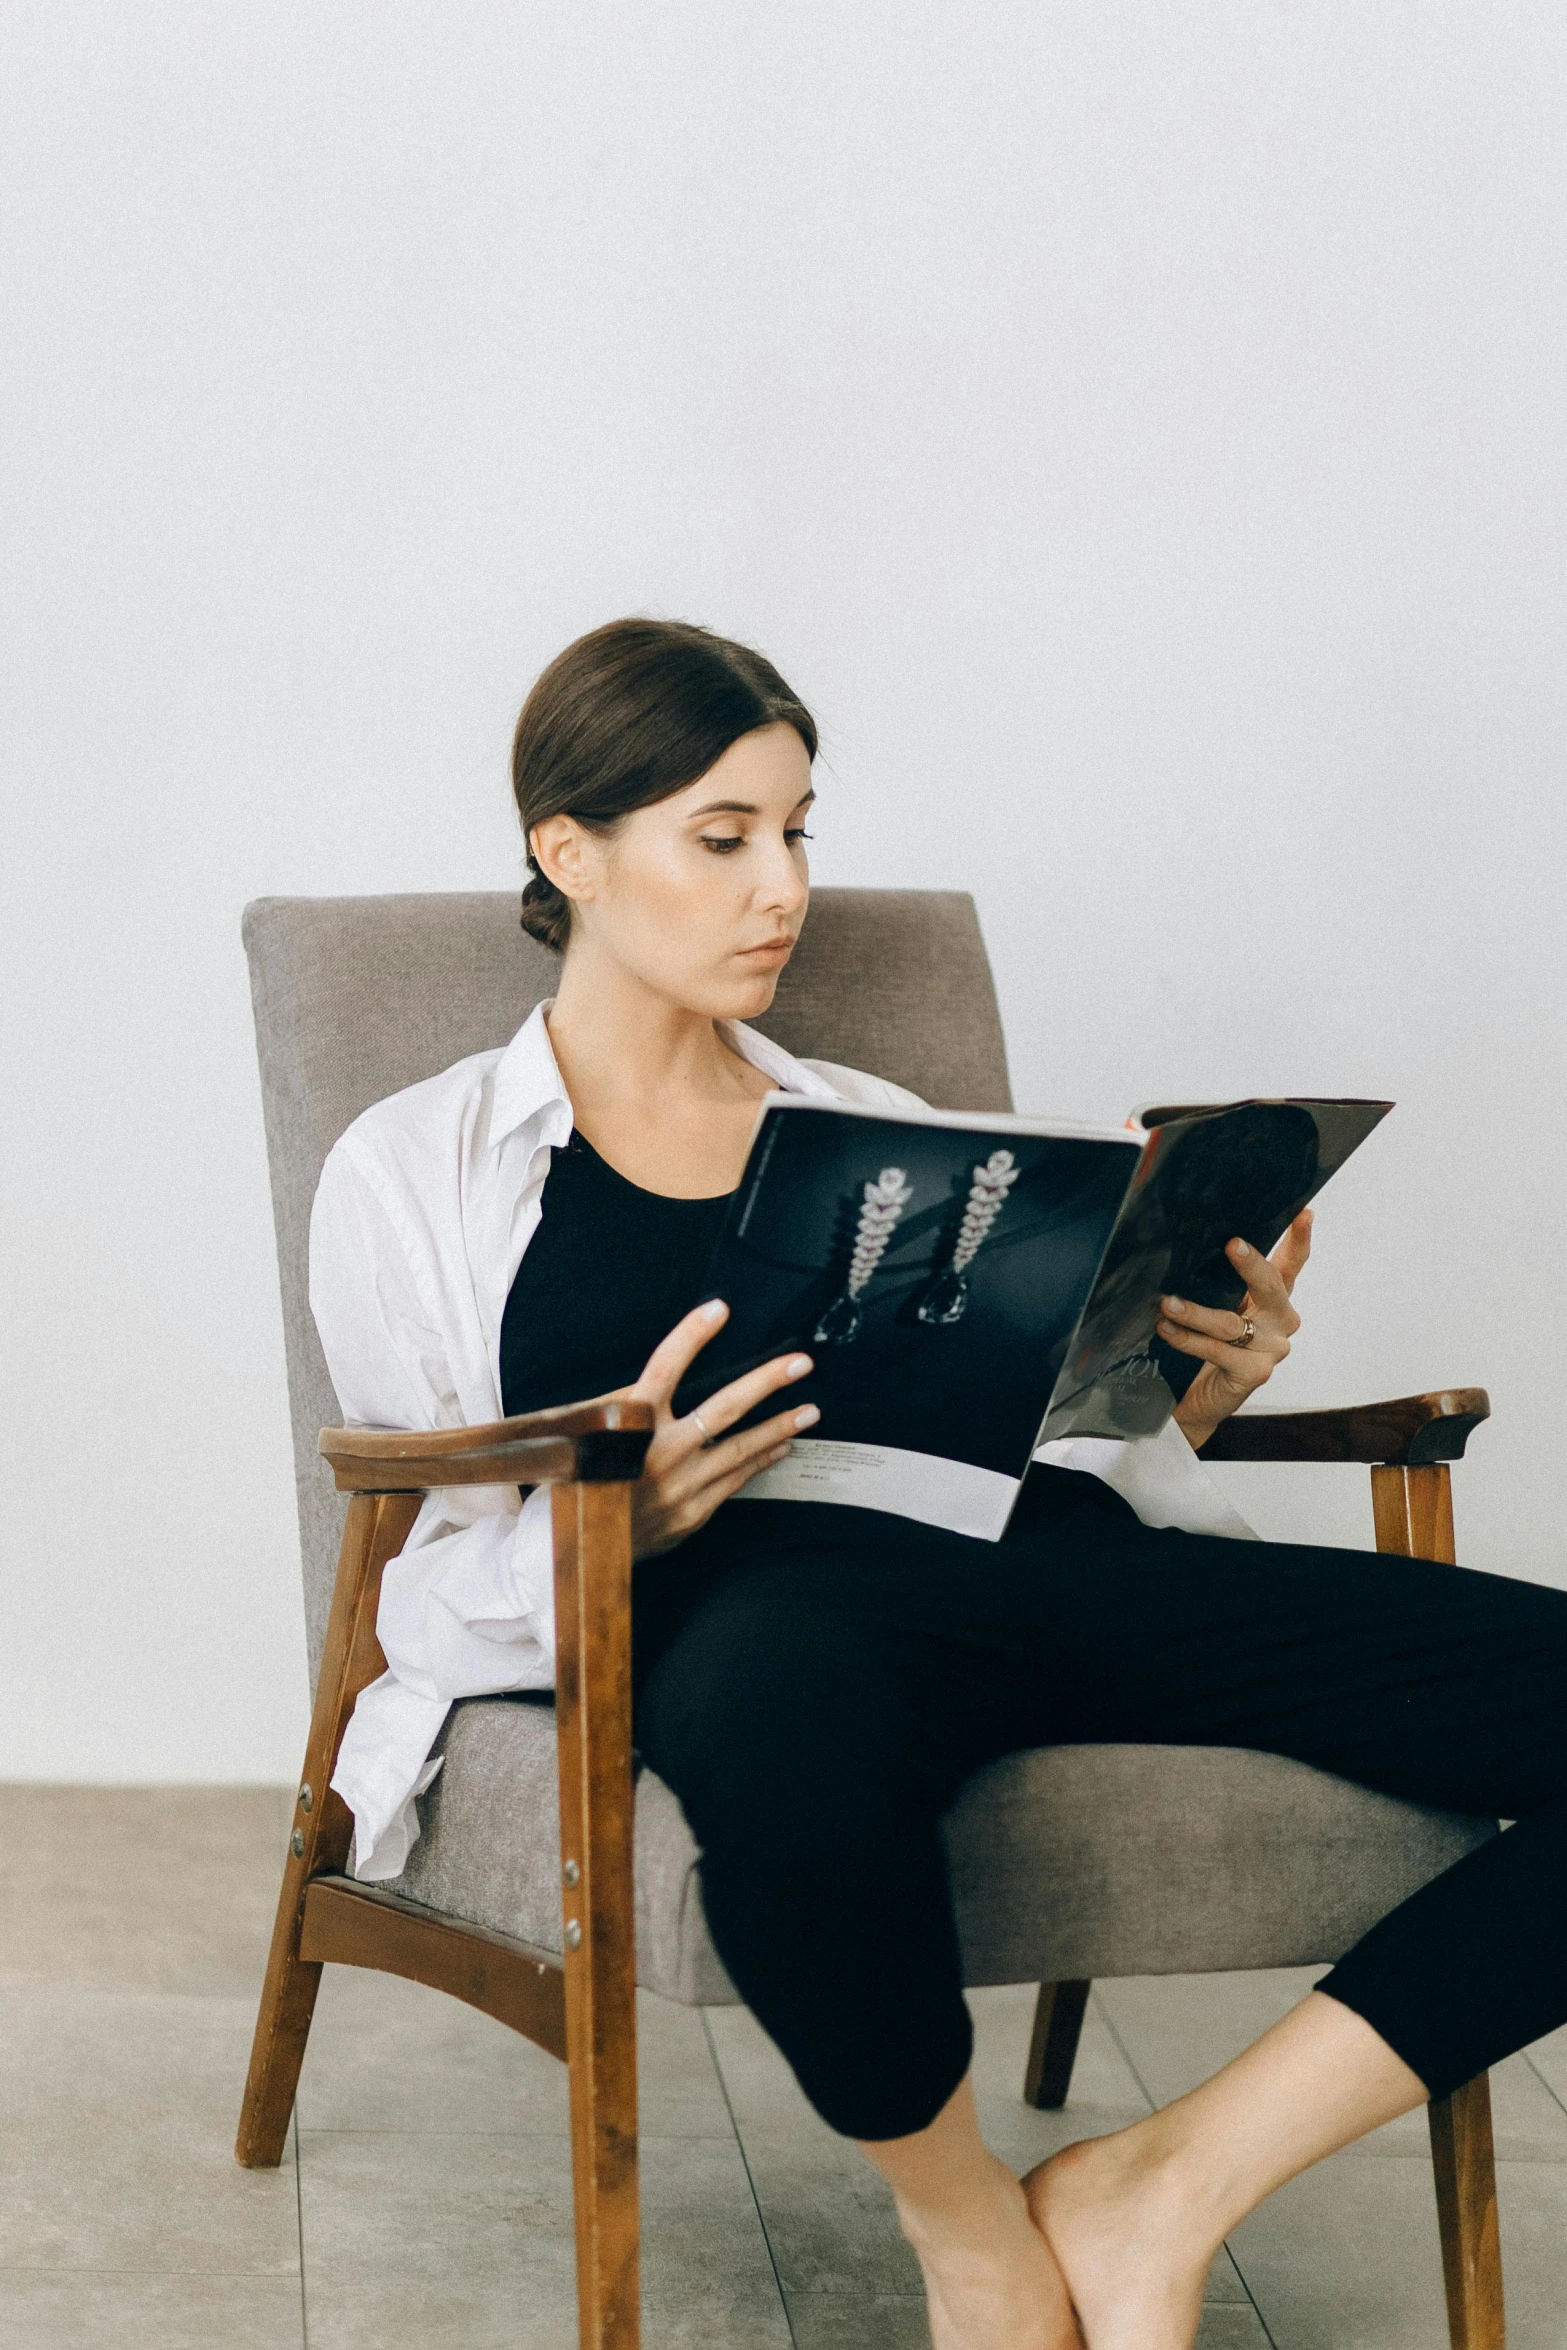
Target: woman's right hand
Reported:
point(691, 1464)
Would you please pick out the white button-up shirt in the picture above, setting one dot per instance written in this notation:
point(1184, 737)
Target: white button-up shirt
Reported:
point(425, 1209)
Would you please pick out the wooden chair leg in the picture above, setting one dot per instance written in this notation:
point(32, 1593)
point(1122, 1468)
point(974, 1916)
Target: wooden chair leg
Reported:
point(378, 1526)
point(1463, 2157)
point(1414, 1519)
point(593, 1717)
point(1413, 1509)
point(1052, 2051)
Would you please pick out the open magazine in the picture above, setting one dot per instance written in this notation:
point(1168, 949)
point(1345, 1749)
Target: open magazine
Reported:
point(971, 1286)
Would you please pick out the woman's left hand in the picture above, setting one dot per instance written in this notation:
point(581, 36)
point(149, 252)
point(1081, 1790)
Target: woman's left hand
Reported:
point(1231, 1373)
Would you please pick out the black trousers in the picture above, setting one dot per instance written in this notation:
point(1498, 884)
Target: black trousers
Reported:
point(816, 1684)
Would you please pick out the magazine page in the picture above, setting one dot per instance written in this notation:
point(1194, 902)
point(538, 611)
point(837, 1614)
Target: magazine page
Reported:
point(1209, 1174)
point(934, 1266)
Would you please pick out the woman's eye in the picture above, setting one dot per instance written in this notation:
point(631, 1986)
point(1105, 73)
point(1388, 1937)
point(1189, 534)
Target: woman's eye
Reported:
point(723, 844)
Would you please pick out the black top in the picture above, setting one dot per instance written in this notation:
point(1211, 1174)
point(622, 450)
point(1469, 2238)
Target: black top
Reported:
point(609, 1273)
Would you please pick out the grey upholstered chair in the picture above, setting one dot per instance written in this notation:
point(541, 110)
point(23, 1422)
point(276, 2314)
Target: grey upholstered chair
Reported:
point(1068, 1863)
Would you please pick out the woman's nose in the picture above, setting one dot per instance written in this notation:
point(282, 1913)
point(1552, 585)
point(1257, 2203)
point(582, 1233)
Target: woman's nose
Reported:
point(783, 884)
point(791, 894)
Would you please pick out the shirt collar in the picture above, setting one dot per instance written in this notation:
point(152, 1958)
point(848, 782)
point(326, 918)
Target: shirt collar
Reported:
point(528, 1082)
point(788, 1074)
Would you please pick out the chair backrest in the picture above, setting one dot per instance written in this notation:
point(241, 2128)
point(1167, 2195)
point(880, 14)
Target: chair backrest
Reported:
point(357, 997)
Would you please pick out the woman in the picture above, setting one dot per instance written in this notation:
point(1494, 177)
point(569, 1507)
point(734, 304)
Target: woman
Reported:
point(816, 1683)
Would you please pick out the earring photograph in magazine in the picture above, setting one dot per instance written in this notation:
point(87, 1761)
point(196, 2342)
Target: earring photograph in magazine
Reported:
point(972, 1285)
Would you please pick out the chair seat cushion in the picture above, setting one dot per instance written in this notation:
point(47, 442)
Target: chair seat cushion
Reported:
point(1067, 1861)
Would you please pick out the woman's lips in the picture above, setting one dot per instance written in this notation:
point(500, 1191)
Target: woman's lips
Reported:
point(773, 950)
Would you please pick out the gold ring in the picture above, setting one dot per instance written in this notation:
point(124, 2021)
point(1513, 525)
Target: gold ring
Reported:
point(1248, 1332)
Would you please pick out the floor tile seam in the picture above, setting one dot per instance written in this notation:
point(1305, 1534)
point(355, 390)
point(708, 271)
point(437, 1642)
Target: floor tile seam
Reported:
point(1559, 2102)
point(169, 2132)
point(854, 2293)
point(299, 2230)
point(745, 2164)
point(845, 2295)
point(1422, 2154)
point(1356, 2152)
point(69, 1990)
point(518, 2137)
point(1251, 2299)
point(196, 2276)
point(69, 1993)
point(1108, 2020)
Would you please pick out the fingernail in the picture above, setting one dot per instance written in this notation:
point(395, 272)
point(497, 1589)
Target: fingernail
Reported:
point(807, 1417)
point(714, 1310)
point(1173, 1305)
point(797, 1366)
point(1240, 1248)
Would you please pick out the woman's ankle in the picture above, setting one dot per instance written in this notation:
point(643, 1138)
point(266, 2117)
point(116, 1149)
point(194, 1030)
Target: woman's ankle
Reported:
point(946, 2182)
point(987, 2195)
point(1151, 2167)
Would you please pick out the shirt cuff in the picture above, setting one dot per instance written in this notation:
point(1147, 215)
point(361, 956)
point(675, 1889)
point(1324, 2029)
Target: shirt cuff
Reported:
point(469, 1614)
point(383, 1766)
point(469, 1608)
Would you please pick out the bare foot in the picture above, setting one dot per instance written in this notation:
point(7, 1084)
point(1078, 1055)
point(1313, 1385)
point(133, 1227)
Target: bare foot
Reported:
point(998, 2286)
point(1134, 2256)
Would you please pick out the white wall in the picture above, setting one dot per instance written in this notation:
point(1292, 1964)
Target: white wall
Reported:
point(1138, 432)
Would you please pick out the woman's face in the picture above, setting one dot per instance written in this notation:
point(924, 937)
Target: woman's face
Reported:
point(702, 895)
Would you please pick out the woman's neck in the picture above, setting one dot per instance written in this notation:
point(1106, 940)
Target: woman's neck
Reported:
point(651, 1083)
point(618, 1042)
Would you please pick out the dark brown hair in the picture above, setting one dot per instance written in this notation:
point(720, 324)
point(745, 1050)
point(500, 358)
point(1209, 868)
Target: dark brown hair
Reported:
point(628, 716)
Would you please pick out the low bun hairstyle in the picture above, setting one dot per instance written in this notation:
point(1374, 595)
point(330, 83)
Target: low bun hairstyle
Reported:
point(626, 717)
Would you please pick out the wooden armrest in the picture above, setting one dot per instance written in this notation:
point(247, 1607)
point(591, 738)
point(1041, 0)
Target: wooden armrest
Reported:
point(577, 1444)
point(1408, 1433)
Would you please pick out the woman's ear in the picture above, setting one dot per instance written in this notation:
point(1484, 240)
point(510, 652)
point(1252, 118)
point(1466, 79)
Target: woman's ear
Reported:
point(563, 851)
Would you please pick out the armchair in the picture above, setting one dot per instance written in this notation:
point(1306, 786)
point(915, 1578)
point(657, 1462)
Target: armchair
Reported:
point(547, 1882)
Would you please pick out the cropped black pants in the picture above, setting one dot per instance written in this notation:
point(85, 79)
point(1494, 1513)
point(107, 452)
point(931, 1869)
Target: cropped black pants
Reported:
point(816, 1684)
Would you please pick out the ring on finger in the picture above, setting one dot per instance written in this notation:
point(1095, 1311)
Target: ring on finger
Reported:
point(1248, 1332)
point(707, 1434)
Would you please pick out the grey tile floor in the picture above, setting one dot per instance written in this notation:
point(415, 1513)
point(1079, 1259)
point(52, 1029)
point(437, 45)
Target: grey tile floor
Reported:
point(425, 2200)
